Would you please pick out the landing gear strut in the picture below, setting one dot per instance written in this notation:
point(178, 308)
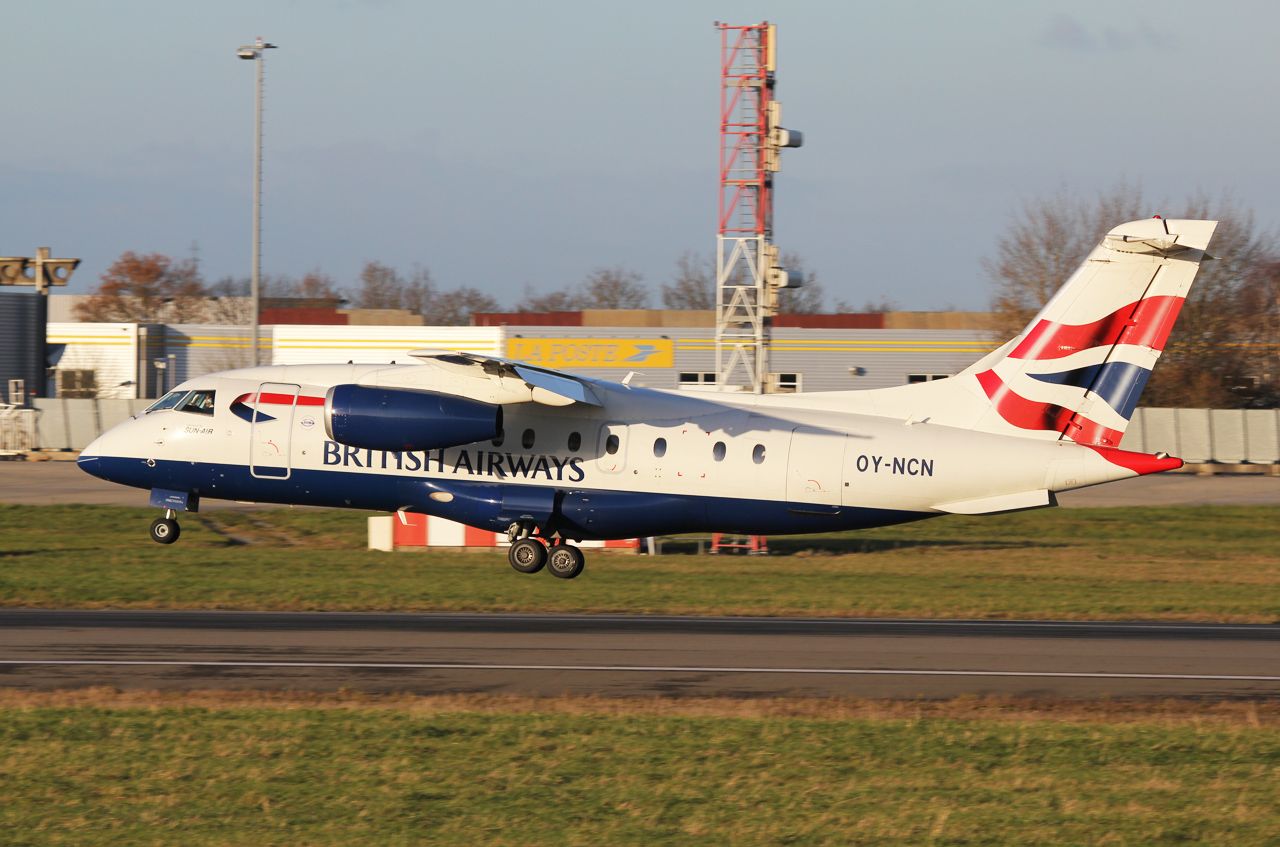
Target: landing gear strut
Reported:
point(165, 530)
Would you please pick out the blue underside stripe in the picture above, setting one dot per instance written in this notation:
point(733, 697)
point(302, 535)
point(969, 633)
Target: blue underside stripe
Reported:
point(579, 513)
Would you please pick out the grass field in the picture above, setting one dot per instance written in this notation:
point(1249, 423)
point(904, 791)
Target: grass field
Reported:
point(88, 769)
point(1209, 563)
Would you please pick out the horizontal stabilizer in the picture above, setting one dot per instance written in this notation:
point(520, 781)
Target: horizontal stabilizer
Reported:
point(1000, 503)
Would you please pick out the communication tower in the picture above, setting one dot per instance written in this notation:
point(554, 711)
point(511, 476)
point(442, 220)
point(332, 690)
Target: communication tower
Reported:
point(748, 273)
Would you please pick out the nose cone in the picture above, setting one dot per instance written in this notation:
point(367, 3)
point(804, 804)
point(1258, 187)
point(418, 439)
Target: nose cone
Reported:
point(90, 459)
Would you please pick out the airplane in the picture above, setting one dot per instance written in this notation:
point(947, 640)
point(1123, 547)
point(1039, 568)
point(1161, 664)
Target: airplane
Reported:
point(554, 458)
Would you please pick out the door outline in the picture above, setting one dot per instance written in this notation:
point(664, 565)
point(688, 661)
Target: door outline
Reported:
point(264, 429)
point(805, 458)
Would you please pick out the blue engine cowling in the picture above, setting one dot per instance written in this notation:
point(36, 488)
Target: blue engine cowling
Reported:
point(401, 419)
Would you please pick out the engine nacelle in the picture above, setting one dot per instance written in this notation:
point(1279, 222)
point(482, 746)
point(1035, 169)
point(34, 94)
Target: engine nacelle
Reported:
point(402, 419)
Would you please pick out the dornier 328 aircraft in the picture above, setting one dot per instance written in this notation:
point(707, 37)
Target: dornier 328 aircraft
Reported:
point(554, 458)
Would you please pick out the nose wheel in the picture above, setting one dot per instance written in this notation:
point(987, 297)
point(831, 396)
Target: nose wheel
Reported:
point(165, 530)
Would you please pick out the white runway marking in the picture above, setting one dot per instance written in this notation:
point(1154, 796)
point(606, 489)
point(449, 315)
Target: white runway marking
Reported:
point(640, 669)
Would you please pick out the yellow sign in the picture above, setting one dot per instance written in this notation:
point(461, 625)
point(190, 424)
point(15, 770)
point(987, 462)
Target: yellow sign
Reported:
point(574, 353)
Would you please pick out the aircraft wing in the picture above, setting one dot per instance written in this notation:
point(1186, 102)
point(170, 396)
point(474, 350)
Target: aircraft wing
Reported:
point(488, 379)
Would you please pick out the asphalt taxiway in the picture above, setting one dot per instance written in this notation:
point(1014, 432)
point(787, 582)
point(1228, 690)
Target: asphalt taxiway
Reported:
point(624, 655)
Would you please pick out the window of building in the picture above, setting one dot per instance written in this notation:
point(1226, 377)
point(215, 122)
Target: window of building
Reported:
point(697, 380)
point(660, 447)
point(575, 441)
point(526, 439)
point(611, 444)
point(757, 455)
point(718, 451)
point(788, 383)
point(912, 378)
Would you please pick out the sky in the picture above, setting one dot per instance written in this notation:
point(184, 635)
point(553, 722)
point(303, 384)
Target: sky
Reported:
point(507, 145)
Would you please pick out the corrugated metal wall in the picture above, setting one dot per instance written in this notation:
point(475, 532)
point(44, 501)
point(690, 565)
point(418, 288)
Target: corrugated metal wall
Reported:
point(111, 350)
point(304, 344)
point(827, 359)
point(18, 357)
point(197, 349)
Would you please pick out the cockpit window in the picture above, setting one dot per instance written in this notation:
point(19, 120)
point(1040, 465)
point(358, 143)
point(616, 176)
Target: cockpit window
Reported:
point(200, 402)
point(168, 401)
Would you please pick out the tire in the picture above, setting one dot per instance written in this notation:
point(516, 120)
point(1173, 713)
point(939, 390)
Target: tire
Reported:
point(165, 531)
point(565, 561)
point(527, 555)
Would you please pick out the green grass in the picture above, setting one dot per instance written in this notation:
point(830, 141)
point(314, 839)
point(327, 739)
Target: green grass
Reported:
point(251, 775)
point(1214, 563)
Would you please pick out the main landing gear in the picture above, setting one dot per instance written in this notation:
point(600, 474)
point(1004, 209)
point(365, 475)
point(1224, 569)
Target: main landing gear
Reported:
point(165, 530)
point(528, 554)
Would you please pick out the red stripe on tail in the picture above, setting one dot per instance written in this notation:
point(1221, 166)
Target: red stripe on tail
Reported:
point(1035, 414)
point(1146, 323)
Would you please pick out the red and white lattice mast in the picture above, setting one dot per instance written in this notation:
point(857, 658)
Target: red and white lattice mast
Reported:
point(748, 275)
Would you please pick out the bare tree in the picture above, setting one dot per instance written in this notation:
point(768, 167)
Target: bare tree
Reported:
point(455, 308)
point(1045, 246)
point(150, 287)
point(1211, 359)
point(809, 298)
point(564, 300)
point(614, 288)
point(418, 292)
point(694, 284)
point(381, 287)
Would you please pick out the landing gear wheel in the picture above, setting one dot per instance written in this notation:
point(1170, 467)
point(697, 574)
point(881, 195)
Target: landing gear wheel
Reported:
point(527, 555)
point(165, 530)
point(565, 561)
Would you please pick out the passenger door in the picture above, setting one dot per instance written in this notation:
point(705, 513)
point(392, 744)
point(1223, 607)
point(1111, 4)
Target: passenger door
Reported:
point(271, 430)
point(815, 469)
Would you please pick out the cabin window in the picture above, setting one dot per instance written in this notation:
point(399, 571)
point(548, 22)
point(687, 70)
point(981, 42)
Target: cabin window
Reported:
point(718, 451)
point(526, 439)
point(499, 438)
point(168, 401)
point(611, 444)
point(660, 447)
point(200, 402)
point(757, 455)
point(575, 441)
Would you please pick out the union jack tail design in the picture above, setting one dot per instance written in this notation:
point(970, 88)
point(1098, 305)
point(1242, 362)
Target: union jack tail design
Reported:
point(1078, 369)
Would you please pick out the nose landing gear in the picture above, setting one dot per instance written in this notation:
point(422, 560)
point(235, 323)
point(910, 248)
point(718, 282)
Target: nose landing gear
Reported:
point(528, 554)
point(165, 530)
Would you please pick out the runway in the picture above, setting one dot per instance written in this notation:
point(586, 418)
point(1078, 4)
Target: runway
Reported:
point(624, 655)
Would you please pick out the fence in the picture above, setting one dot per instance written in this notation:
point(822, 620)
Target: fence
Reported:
point(69, 424)
point(17, 430)
point(1224, 436)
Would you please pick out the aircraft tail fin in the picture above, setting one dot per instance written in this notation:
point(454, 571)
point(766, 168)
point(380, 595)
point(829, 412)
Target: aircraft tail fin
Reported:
point(1077, 370)
point(1079, 367)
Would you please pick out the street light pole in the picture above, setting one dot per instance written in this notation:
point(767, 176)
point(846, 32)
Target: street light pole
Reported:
point(256, 53)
